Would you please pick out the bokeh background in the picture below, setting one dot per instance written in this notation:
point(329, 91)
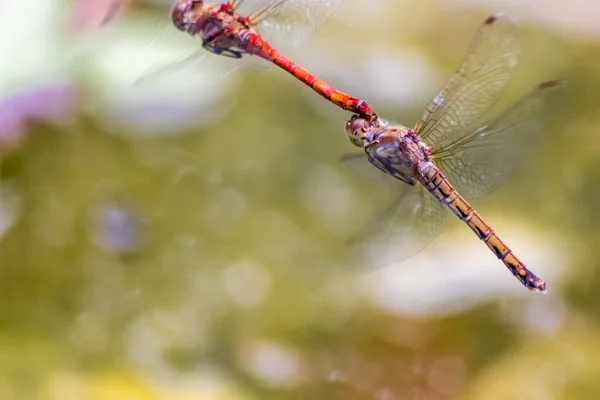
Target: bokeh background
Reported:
point(184, 238)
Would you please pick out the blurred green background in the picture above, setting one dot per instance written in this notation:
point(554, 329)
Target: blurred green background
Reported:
point(184, 238)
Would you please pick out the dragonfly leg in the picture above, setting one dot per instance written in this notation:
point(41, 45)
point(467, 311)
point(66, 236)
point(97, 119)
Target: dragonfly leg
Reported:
point(391, 171)
point(223, 51)
point(405, 179)
point(231, 53)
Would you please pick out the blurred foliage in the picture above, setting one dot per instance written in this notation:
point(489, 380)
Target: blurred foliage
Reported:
point(228, 281)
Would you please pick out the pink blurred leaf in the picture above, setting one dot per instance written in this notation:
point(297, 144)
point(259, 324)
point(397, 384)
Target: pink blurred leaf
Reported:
point(89, 15)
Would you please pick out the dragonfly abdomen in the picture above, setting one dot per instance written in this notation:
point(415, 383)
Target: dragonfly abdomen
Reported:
point(263, 49)
point(437, 184)
point(503, 252)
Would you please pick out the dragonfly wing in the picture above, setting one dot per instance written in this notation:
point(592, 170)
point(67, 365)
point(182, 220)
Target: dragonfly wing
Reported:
point(412, 220)
point(477, 83)
point(358, 164)
point(477, 160)
point(167, 60)
point(158, 69)
point(285, 24)
point(402, 230)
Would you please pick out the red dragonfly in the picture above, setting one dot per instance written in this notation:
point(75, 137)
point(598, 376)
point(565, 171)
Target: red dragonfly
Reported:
point(226, 31)
point(453, 143)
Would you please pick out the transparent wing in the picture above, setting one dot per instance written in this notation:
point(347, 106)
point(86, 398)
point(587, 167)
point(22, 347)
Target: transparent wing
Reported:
point(405, 228)
point(477, 83)
point(358, 164)
point(478, 160)
point(236, 3)
point(158, 70)
point(412, 220)
point(285, 24)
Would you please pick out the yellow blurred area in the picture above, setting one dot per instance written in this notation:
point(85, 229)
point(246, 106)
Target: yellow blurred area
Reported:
point(187, 238)
point(561, 367)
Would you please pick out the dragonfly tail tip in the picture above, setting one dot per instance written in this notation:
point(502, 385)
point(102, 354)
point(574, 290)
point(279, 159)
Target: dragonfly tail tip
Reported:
point(539, 286)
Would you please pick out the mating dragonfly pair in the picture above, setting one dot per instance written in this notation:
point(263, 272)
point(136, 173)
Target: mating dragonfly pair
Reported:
point(450, 143)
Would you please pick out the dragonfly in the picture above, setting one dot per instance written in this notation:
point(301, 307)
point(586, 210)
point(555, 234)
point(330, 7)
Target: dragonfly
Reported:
point(454, 142)
point(225, 31)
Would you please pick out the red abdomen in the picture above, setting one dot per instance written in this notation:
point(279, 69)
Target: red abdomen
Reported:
point(261, 48)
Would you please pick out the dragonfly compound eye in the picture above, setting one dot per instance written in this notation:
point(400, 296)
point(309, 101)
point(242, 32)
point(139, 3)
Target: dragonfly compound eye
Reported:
point(182, 13)
point(355, 130)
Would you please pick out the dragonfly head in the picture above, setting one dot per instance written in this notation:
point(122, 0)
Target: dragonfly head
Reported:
point(359, 131)
point(183, 13)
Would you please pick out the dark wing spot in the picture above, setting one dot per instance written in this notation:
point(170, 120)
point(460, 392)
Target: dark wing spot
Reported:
point(551, 84)
point(492, 18)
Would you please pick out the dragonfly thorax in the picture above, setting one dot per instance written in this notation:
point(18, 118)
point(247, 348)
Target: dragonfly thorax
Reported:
point(397, 150)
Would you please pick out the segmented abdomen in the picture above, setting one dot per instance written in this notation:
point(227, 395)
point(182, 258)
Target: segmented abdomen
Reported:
point(437, 184)
point(263, 49)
